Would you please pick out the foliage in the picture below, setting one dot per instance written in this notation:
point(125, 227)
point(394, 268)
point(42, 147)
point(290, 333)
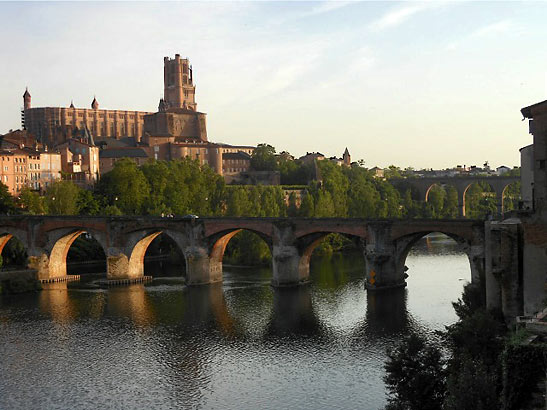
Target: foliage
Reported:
point(524, 365)
point(474, 386)
point(61, 198)
point(473, 299)
point(14, 253)
point(87, 203)
point(263, 158)
point(125, 187)
point(31, 202)
point(7, 203)
point(247, 248)
point(415, 375)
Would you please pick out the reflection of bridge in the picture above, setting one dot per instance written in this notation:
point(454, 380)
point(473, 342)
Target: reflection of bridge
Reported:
point(462, 184)
point(385, 243)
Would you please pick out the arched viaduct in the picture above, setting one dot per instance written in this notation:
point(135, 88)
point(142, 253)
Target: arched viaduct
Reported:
point(498, 184)
point(385, 243)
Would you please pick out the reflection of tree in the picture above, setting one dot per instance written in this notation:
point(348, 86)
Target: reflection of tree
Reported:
point(333, 271)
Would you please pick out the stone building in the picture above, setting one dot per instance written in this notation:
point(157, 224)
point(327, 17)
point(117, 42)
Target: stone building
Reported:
point(108, 157)
point(177, 130)
point(54, 125)
point(80, 160)
point(26, 167)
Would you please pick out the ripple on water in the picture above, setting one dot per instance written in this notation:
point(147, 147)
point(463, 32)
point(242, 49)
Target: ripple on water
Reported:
point(240, 345)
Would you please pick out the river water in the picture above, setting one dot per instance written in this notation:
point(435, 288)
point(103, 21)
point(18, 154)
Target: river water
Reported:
point(238, 345)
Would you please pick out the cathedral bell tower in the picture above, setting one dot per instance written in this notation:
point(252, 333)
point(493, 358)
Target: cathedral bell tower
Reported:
point(179, 90)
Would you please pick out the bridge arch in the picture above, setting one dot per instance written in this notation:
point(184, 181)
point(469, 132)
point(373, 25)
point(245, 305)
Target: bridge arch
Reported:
point(308, 243)
point(13, 236)
point(220, 240)
point(138, 245)
point(59, 244)
point(404, 244)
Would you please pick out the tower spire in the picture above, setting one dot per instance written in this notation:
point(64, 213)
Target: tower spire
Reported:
point(26, 99)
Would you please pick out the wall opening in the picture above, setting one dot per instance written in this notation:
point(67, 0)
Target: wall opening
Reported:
point(441, 202)
point(480, 201)
point(13, 252)
point(86, 257)
point(334, 259)
point(438, 269)
point(245, 255)
point(164, 258)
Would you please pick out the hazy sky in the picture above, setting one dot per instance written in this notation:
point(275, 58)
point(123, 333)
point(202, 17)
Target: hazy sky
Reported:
point(430, 84)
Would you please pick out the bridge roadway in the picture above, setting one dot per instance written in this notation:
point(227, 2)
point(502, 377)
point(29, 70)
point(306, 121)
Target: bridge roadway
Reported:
point(498, 184)
point(385, 243)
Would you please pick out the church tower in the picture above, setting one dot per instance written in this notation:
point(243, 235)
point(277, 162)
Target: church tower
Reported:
point(26, 99)
point(179, 90)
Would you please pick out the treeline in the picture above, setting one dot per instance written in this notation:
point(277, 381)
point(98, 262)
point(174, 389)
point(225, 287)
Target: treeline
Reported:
point(184, 187)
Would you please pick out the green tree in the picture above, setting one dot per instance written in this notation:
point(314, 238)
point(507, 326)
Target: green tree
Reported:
point(7, 202)
point(436, 199)
point(62, 198)
point(125, 187)
point(415, 375)
point(87, 204)
point(263, 158)
point(32, 202)
point(307, 206)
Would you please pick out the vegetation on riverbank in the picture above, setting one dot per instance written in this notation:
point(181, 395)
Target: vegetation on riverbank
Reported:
point(478, 364)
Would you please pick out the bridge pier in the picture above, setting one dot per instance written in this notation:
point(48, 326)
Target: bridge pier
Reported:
point(288, 266)
point(381, 260)
point(201, 269)
point(503, 272)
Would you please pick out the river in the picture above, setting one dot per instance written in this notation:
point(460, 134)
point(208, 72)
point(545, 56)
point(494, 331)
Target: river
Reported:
point(238, 345)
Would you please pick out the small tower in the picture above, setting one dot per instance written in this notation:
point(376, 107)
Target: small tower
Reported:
point(26, 99)
point(95, 104)
point(346, 158)
point(71, 104)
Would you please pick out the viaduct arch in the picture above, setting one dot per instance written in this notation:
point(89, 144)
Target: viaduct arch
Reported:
point(498, 184)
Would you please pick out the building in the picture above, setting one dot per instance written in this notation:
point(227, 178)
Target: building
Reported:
point(80, 160)
point(527, 176)
point(177, 130)
point(54, 125)
point(108, 157)
point(377, 172)
point(26, 167)
point(502, 170)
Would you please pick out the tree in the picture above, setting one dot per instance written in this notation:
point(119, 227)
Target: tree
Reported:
point(7, 202)
point(62, 198)
point(125, 187)
point(263, 158)
point(32, 202)
point(87, 204)
point(415, 375)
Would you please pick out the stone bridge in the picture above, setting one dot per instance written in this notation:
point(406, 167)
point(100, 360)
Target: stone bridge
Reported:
point(462, 184)
point(385, 243)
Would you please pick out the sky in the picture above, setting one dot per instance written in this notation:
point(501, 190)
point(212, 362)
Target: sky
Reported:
point(423, 84)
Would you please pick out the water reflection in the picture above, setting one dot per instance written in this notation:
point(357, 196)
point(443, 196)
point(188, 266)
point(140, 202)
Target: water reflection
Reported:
point(293, 314)
point(237, 345)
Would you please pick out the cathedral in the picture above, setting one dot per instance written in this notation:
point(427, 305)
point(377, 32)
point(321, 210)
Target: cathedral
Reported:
point(176, 130)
